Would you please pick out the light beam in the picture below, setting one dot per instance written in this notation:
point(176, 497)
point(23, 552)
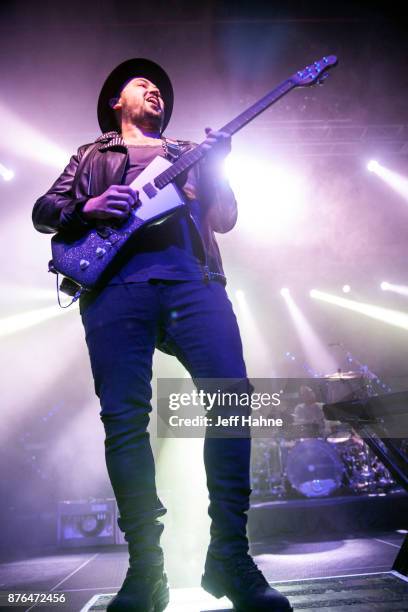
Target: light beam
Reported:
point(395, 318)
point(257, 353)
point(5, 173)
point(396, 181)
point(400, 289)
point(314, 349)
point(22, 139)
point(17, 322)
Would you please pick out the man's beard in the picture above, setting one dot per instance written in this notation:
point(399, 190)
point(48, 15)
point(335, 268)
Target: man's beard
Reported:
point(151, 120)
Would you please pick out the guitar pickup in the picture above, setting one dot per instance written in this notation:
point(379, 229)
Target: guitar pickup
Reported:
point(104, 231)
point(149, 190)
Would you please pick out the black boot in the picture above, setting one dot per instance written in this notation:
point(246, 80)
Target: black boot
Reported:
point(144, 590)
point(145, 587)
point(229, 570)
point(239, 578)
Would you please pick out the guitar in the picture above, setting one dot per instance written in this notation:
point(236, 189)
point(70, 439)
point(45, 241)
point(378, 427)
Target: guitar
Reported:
point(88, 259)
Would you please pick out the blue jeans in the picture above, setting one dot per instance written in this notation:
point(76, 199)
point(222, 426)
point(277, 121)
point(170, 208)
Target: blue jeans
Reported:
point(195, 322)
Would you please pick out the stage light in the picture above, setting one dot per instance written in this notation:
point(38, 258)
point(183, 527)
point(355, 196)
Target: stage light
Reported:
point(22, 139)
point(179, 464)
point(313, 348)
point(373, 165)
point(258, 354)
point(5, 173)
point(18, 322)
point(284, 291)
point(400, 289)
point(396, 181)
point(271, 198)
point(395, 318)
point(14, 292)
point(346, 288)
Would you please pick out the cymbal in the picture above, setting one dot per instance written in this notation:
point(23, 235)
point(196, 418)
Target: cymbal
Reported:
point(344, 375)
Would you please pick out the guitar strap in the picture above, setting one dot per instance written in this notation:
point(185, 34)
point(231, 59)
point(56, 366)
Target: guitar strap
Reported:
point(175, 148)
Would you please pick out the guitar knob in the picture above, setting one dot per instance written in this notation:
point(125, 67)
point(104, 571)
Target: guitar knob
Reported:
point(100, 252)
point(83, 264)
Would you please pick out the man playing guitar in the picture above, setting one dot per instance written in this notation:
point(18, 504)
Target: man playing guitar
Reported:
point(168, 292)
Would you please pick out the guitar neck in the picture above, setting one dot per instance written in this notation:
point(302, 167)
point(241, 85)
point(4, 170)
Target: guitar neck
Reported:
point(190, 158)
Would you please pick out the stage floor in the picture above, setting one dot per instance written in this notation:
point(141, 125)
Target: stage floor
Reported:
point(89, 576)
point(378, 592)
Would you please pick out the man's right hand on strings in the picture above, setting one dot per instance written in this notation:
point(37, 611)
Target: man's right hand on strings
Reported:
point(114, 203)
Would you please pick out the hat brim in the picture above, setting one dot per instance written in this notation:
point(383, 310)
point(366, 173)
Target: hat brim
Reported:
point(138, 67)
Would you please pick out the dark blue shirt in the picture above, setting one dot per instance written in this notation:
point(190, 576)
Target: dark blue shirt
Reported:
point(162, 250)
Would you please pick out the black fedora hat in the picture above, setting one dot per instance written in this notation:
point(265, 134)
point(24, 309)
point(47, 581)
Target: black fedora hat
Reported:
point(138, 67)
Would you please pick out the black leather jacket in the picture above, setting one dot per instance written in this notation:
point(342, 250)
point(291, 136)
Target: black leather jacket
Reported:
point(96, 166)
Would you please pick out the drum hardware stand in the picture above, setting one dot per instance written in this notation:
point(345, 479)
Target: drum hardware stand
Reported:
point(365, 417)
point(387, 451)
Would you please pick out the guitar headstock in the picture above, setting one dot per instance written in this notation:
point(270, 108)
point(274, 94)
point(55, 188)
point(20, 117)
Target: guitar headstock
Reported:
point(314, 73)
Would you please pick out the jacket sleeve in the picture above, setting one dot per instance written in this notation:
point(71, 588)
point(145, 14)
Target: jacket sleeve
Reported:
point(206, 183)
point(59, 209)
point(218, 197)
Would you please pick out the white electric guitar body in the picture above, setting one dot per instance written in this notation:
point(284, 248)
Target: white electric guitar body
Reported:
point(154, 203)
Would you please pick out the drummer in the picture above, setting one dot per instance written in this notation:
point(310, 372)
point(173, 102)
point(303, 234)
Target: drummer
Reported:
point(309, 417)
point(309, 413)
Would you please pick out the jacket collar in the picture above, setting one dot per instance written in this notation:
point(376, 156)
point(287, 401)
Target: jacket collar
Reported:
point(173, 148)
point(109, 140)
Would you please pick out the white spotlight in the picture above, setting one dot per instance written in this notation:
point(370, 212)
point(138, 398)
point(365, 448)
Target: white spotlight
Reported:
point(24, 320)
point(5, 173)
point(373, 165)
point(346, 288)
point(284, 292)
point(239, 294)
point(387, 315)
point(400, 289)
point(24, 140)
point(272, 198)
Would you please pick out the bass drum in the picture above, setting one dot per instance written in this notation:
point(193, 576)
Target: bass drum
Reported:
point(314, 468)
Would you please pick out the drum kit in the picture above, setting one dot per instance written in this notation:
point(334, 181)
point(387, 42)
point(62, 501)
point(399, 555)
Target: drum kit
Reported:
point(318, 459)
